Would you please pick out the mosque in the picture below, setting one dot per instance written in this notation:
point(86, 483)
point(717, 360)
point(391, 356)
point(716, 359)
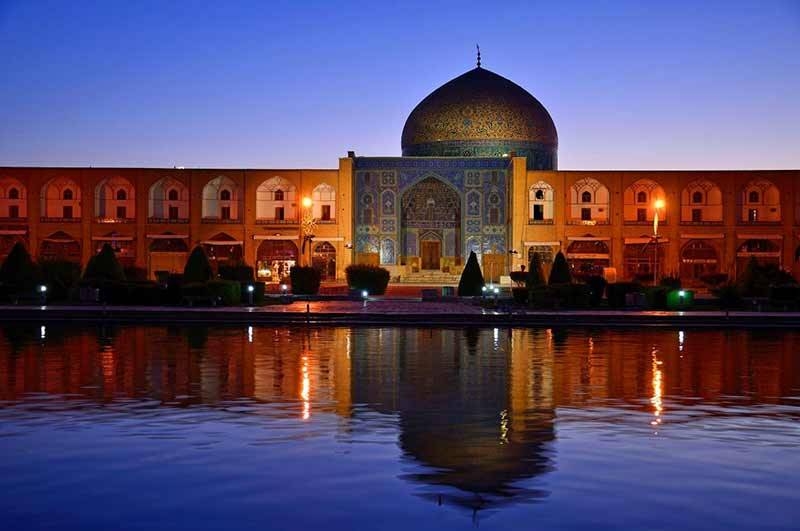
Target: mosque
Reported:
point(478, 172)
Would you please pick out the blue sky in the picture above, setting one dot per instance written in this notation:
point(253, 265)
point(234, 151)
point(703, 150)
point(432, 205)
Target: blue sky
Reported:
point(630, 85)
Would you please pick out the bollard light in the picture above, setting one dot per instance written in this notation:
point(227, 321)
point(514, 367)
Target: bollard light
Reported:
point(284, 288)
point(43, 289)
point(365, 294)
point(496, 291)
point(250, 288)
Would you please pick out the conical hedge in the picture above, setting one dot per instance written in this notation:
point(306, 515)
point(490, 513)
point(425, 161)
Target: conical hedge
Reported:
point(471, 278)
point(104, 266)
point(198, 268)
point(560, 273)
point(18, 270)
point(535, 272)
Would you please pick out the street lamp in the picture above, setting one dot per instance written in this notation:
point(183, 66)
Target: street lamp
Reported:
point(657, 204)
point(308, 225)
point(250, 289)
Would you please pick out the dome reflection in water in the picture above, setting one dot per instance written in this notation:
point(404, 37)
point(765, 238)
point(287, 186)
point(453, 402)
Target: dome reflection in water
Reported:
point(485, 422)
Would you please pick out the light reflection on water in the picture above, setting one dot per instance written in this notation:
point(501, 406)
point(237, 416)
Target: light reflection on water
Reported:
point(355, 428)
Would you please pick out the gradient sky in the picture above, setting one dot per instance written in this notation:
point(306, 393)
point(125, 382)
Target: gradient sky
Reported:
point(296, 84)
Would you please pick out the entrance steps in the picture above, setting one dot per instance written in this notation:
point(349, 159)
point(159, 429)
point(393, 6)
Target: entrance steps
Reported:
point(433, 276)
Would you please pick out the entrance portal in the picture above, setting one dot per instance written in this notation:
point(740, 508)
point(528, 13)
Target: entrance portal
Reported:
point(431, 253)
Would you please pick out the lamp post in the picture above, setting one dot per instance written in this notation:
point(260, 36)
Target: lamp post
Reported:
point(308, 224)
point(658, 204)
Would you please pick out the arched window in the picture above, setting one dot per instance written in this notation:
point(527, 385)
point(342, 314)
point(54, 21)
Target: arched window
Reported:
point(588, 203)
point(173, 195)
point(67, 194)
point(701, 202)
point(760, 203)
point(168, 199)
point(276, 201)
point(639, 202)
point(13, 193)
point(586, 197)
point(540, 203)
point(324, 206)
point(641, 197)
point(221, 200)
point(121, 195)
point(114, 200)
point(753, 197)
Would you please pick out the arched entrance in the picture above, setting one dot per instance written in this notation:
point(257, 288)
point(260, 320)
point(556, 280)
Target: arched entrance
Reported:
point(167, 254)
point(274, 259)
point(698, 259)
point(60, 246)
point(588, 256)
point(765, 252)
point(431, 224)
point(223, 249)
point(324, 260)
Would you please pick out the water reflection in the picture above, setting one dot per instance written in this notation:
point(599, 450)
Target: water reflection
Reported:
point(474, 411)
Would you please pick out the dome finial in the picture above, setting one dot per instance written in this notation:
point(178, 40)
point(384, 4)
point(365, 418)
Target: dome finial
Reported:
point(479, 55)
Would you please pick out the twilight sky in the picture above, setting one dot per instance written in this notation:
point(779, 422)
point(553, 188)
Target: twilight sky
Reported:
point(296, 84)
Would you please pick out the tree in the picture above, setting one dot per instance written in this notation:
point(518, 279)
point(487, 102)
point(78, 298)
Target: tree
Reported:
point(471, 282)
point(104, 266)
point(18, 272)
point(560, 273)
point(198, 268)
point(535, 276)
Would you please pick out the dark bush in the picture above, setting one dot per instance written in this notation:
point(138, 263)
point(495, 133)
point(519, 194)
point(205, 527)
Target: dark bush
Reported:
point(656, 297)
point(570, 296)
point(172, 295)
point(19, 274)
point(560, 274)
point(714, 279)
point(728, 295)
point(518, 277)
point(471, 282)
point(616, 292)
point(195, 289)
point(784, 296)
point(541, 297)
point(135, 274)
point(305, 280)
point(137, 293)
point(362, 277)
point(238, 272)
point(104, 267)
point(670, 282)
point(535, 272)
point(198, 268)
point(60, 277)
point(227, 292)
point(756, 279)
point(520, 294)
point(597, 287)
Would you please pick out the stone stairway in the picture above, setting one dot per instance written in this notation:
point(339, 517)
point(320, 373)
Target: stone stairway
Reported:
point(433, 277)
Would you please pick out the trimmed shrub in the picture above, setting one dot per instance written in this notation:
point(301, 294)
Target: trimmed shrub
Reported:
point(137, 293)
point(656, 297)
point(135, 274)
point(728, 295)
point(172, 295)
point(597, 286)
point(714, 279)
point(371, 278)
point(784, 296)
point(305, 280)
point(560, 273)
point(227, 292)
point(520, 294)
point(60, 277)
point(670, 282)
point(19, 273)
point(518, 277)
point(104, 267)
point(541, 297)
point(239, 272)
point(195, 289)
point(571, 296)
point(198, 268)
point(535, 272)
point(616, 292)
point(471, 282)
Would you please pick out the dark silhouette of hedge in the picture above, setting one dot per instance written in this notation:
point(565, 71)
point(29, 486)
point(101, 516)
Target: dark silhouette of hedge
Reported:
point(560, 273)
point(104, 267)
point(19, 273)
point(535, 272)
point(305, 280)
point(60, 277)
point(198, 268)
point(369, 278)
point(240, 272)
point(471, 282)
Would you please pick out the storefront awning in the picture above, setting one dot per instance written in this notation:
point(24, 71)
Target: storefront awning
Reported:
point(274, 237)
point(589, 238)
point(531, 244)
point(332, 239)
point(167, 236)
point(222, 242)
point(714, 236)
point(13, 232)
point(760, 236)
point(112, 238)
point(588, 256)
point(639, 241)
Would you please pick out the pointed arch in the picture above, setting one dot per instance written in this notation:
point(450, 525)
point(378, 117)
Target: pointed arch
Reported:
point(760, 202)
point(168, 202)
point(276, 201)
point(324, 203)
point(114, 200)
point(60, 200)
point(639, 202)
point(540, 203)
point(589, 202)
point(221, 200)
point(701, 202)
point(13, 199)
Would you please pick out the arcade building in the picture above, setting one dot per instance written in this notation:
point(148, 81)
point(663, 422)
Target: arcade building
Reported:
point(478, 172)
